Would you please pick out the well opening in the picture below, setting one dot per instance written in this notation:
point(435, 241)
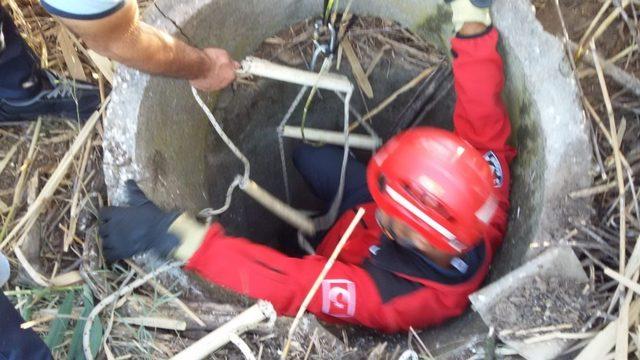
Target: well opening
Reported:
point(156, 133)
point(252, 113)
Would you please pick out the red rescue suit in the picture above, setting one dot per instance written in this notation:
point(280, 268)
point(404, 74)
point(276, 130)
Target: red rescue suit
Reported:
point(360, 288)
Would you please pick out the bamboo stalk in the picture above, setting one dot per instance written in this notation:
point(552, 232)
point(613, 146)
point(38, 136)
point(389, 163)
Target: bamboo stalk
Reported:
point(605, 340)
point(376, 59)
point(332, 137)
point(58, 175)
point(609, 20)
point(599, 189)
point(594, 22)
point(617, 74)
point(617, 158)
point(356, 69)
point(408, 86)
point(247, 320)
point(267, 69)
point(70, 55)
point(7, 158)
point(626, 52)
point(29, 324)
point(74, 212)
point(560, 335)
point(539, 329)
point(165, 292)
point(321, 276)
point(409, 50)
point(24, 171)
point(29, 269)
point(623, 280)
point(285, 212)
point(622, 336)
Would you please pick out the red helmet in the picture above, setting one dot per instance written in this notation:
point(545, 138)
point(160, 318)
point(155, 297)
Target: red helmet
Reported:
point(438, 184)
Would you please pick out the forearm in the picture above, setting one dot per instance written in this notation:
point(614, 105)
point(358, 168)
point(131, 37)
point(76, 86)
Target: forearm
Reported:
point(153, 51)
point(480, 115)
point(348, 294)
point(125, 39)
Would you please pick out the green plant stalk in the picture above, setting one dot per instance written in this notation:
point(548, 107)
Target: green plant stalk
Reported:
point(75, 349)
point(59, 325)
point(327, 10)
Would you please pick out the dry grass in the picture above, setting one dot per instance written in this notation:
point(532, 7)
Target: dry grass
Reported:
point(610, 240)
point(52, 185)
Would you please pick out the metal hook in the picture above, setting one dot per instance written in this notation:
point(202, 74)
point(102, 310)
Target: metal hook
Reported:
point(326, 49)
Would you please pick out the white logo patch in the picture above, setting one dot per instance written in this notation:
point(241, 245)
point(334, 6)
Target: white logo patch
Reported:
point(339, 298)
point(496, 168)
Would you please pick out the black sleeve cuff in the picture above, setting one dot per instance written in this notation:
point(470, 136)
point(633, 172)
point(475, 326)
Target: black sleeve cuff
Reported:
point(475, 36)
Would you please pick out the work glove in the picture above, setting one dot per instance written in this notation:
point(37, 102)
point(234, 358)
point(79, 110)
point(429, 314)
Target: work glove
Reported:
point(465, 11)
point(138, 227)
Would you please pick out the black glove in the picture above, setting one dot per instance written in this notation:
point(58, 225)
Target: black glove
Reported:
point(478, 3)
point(136, 228)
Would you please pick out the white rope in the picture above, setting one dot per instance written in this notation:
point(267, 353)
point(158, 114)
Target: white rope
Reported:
point(327, 220)
point(209, 213)
point(242, 346)
point(365, 125)
point(280, 131)
point(238, 181)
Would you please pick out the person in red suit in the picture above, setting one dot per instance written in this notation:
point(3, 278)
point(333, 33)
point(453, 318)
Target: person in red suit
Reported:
point(436, 211)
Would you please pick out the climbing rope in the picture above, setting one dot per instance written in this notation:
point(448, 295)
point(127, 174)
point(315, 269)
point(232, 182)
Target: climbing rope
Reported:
point(327, 220)
point(238, 181)
point(280, 132)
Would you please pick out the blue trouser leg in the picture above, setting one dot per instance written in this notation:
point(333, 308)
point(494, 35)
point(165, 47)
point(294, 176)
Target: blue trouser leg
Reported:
point(320, 167)
point(19, 67)
point(17, 343)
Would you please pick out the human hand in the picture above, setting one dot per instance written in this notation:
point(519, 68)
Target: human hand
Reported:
point(470, 11)
point(136, 228)
point(221, 71)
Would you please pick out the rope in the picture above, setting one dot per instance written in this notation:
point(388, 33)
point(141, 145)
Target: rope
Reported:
point(364, 124)
point(280, 131)
point(238, 181)
point(242, 346)
point(327, 220)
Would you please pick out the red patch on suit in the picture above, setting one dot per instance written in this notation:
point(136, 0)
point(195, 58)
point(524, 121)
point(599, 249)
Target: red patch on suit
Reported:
point(339, 298)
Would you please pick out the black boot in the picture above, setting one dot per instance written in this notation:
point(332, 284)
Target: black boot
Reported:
point(59, 97)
